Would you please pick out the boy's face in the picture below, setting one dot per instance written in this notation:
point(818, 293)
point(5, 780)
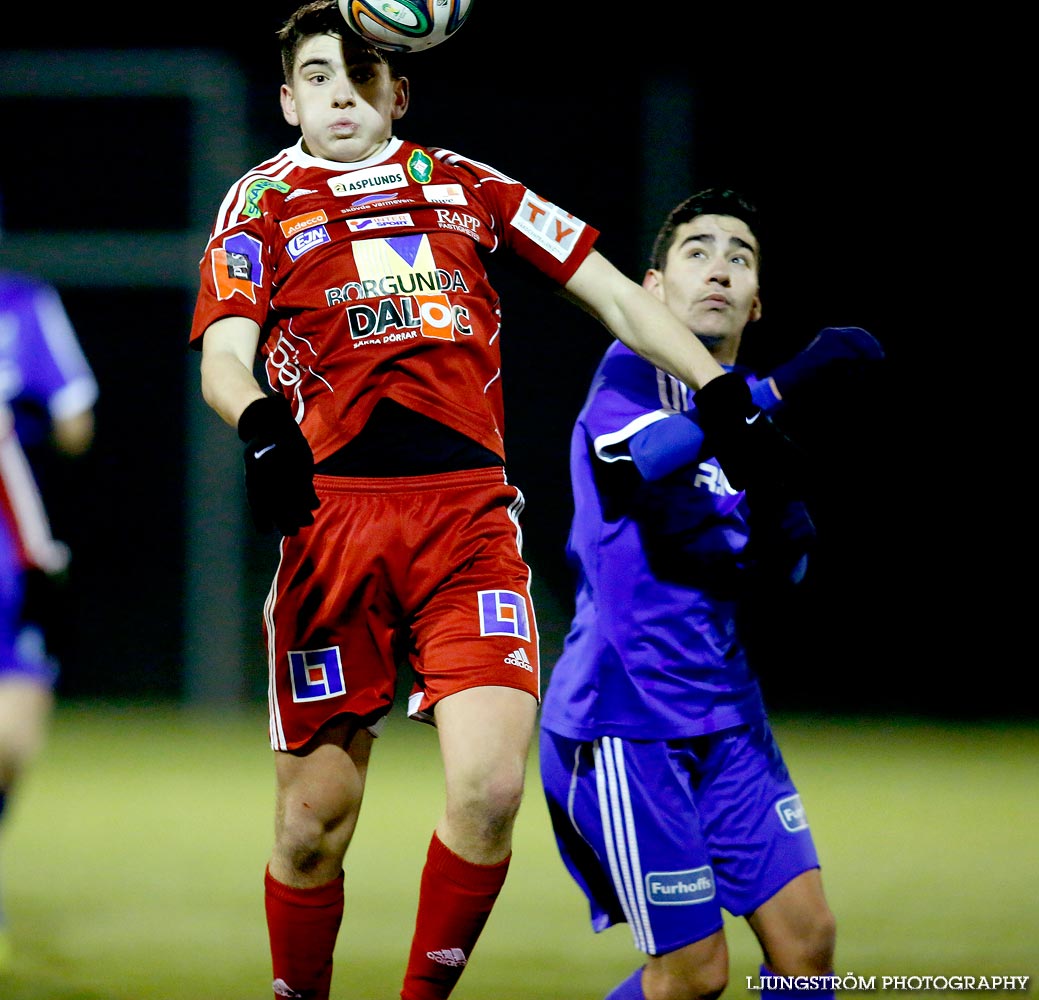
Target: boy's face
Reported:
point(710, 279)
point(344, 101)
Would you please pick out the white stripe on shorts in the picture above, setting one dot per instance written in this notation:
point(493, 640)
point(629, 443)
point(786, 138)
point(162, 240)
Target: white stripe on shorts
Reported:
point(622, 847)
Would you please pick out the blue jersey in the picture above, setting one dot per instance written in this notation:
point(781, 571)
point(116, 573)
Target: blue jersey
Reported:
point(44, 376)
point(653, 651)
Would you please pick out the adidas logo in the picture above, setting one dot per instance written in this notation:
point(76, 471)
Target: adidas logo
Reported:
point(282, 989)
point(448, 956)
point(519, 658)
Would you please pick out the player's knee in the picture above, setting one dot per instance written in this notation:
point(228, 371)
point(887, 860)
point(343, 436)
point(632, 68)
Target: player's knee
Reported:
point(700, 984)
point(699, 971)
point(22, 740)
point(14, 757)
point(489, 806)
point(811, 951)
point(300, 845)
point(498, 808)
point(504, 794)
point(308, 842)
point(821, 942)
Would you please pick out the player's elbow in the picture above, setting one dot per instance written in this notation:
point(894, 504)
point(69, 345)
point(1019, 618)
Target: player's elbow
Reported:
point(74, 435)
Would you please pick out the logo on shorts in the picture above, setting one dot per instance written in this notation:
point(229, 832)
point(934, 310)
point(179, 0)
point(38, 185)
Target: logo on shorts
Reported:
point(519, 658)
point(454, 957)
point(503, 612)
point(316, 674)
point(680, 888)
point(792, 814)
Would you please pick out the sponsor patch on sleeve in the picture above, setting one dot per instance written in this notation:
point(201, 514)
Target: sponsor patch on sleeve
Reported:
point(237, 267)
point(548, 225)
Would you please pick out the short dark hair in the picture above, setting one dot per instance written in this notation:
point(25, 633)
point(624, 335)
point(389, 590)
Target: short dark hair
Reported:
point(710, 201)
point(322, 17)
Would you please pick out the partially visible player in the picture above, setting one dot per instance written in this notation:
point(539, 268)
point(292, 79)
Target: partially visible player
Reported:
point(47, 396)
point(354, 262)
point(667, 791)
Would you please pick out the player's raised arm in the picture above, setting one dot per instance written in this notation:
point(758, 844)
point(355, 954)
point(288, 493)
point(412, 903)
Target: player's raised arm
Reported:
point(641, 321)
point(750, 449)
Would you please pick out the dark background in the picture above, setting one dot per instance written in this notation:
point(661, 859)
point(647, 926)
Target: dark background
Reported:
point(849, 138)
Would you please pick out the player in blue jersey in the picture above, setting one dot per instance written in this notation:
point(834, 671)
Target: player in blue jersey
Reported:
point(47, 396)
point(668, 794)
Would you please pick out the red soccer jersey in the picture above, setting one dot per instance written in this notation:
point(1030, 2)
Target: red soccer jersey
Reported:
point(367, 280)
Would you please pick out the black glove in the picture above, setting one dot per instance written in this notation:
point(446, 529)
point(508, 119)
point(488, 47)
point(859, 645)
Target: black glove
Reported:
point(750, 448)
point(279, 467)
point(836, 350)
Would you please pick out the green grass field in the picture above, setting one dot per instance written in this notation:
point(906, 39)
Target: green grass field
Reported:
point(132, 862)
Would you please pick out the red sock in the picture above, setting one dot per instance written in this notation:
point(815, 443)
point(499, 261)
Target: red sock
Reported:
point(455, 900)
point(302, 925)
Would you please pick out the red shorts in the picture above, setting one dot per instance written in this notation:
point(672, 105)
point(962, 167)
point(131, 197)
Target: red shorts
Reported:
point(422, 570)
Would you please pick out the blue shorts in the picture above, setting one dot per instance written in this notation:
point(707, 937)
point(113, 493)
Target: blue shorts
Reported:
point(664, 835)
point(23, 652)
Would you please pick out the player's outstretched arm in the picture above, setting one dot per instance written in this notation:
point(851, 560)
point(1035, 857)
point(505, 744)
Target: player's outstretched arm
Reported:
point(640, 321)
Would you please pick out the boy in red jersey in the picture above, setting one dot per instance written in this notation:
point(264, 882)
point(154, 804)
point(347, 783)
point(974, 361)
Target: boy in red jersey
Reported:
point(353, 262)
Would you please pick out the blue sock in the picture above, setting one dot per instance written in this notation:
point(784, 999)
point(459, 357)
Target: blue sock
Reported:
point(630, 989)
point(793, 994)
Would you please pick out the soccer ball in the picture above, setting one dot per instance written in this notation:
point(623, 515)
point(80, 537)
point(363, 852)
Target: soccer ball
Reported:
point(405, 25)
